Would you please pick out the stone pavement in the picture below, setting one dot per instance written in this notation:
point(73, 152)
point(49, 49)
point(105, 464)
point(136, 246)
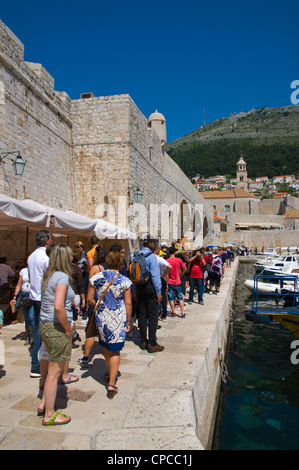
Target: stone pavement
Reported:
point(154, 408)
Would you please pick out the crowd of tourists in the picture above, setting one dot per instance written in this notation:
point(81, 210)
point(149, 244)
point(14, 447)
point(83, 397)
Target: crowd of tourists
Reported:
point(58, 284)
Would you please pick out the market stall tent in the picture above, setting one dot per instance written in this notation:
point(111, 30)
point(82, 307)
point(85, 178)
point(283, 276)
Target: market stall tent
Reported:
point(16, 214)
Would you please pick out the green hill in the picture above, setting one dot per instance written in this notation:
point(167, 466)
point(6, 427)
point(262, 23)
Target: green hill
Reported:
point(268, 139)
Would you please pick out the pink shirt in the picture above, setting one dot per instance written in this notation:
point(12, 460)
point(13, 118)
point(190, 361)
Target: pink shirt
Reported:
point(174, 275)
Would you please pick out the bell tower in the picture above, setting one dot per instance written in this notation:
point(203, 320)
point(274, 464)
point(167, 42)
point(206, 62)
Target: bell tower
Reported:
point(242, 174)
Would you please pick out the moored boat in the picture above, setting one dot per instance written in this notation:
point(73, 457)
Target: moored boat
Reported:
point(284, 307)
point(278, 264)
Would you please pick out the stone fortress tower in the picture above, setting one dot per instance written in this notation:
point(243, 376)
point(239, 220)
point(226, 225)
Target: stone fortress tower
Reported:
point(157, 122)
point(242, 174)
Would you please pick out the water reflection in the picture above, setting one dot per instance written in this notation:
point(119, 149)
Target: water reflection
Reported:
point(259, 406)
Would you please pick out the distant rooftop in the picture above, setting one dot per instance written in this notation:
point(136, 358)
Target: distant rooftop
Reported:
point(226, 194)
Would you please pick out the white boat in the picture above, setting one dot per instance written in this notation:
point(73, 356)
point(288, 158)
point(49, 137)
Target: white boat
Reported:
point(274, 282)
point(270, 252)
point(279, 264)
point(280, 272)
point(260, 263)
point(268, 287)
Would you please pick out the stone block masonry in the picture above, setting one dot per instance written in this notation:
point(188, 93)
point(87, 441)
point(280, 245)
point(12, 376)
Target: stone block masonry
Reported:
point(114, 149)
point(83, 155)
point(34, 121)
point(100, 150)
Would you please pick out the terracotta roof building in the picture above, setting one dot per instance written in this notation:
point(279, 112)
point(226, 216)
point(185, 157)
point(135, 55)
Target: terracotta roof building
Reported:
point(292, 215)
point(234, 193)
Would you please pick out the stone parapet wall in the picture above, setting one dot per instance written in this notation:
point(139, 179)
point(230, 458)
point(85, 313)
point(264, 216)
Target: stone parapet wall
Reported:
point(260, 238)
point(33, 75)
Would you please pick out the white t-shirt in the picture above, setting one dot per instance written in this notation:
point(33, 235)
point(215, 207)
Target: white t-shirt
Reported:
point(25, 280)
point(162, 263)
point(38, 262)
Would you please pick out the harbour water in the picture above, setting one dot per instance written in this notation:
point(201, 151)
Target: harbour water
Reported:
point(259, 403)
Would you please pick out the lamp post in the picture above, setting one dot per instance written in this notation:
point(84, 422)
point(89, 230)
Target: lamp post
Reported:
point(18, 164)
point(138, 194)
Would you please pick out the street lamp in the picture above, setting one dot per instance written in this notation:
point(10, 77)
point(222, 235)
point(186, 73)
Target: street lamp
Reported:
point(138, 194)
point(18, 163)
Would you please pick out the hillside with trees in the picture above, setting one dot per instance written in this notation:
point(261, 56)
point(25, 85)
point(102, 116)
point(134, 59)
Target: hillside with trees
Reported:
point(268, 139)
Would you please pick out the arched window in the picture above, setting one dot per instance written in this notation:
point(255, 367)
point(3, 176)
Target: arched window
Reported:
point(227, 208)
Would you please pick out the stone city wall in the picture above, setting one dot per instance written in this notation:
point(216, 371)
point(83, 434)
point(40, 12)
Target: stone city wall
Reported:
point(100, 150)
point(83, 155)
point(34, 121)
point(159, 177)
point(115, 150)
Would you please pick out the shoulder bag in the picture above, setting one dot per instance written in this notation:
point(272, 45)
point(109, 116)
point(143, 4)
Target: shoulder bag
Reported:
point(91, 328)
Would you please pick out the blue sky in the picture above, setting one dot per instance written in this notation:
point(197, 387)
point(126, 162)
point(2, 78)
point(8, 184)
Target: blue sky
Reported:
point(180, 57)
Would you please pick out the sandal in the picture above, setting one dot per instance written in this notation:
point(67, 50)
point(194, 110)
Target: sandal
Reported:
point(111, 393)
point(71, 378)
point(40, 411)
point(52, 421)
point(107, 376)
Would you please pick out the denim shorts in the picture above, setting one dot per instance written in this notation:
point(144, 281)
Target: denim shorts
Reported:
point(175, 291)
point(58, 345)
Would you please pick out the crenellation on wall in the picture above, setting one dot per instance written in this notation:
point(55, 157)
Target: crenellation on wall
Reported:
point(46, 80)
point(11, 45)
point(34, 77)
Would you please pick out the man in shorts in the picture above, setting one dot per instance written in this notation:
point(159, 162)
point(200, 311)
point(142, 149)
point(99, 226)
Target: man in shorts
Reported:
point(178, 269)
point(38, 262)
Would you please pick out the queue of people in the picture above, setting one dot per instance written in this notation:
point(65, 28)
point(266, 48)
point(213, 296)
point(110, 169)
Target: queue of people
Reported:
point(59, 283)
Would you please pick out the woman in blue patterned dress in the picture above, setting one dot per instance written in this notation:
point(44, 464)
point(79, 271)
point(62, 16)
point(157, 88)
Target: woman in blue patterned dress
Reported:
point(113, 313)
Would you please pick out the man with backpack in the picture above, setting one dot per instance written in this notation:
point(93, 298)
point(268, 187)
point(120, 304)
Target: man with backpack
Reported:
point(145, 274)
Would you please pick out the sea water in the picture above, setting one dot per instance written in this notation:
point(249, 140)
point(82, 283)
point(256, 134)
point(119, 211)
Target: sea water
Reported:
point(259, 403)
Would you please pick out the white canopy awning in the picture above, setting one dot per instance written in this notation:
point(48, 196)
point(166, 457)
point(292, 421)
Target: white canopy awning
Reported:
point(105, 229)
point(16, 214)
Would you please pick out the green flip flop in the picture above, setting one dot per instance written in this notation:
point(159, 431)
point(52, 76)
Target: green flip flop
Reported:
point(52, 421)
